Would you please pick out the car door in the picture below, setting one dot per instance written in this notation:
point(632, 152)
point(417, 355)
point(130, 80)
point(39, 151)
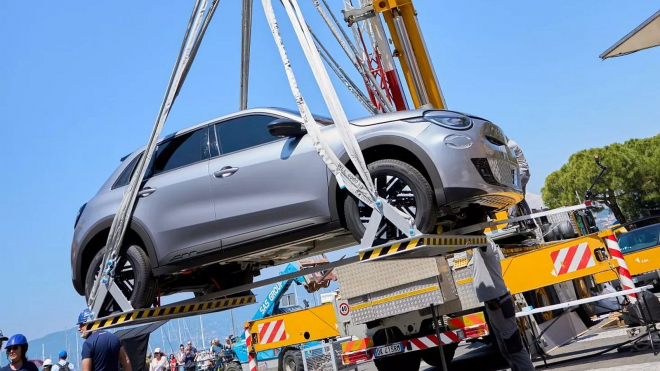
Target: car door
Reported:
point(175, 203)
point(264, 185)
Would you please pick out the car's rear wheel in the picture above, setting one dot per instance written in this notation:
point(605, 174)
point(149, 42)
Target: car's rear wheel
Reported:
point(405, 188)
point(132, 276)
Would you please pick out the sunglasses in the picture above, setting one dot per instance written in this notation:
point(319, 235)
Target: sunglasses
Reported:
point(13, 347)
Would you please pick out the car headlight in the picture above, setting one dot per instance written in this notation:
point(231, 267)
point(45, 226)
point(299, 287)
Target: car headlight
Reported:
point(449, 120)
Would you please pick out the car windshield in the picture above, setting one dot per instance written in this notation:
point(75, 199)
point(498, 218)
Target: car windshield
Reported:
point(640, 239)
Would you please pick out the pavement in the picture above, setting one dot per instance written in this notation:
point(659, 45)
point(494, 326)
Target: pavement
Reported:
point(481, 357)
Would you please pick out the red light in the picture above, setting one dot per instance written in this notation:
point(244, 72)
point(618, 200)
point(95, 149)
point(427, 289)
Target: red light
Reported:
point(475, 331)
point(354, 357)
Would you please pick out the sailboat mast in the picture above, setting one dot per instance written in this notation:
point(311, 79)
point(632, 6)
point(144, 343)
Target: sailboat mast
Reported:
point(201, 325)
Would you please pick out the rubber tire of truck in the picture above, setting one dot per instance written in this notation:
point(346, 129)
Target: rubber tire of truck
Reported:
point(407, 361)
point(145, 287)
point(232, 367)
point(292, 361)
point(427, 211)
point(432, 356)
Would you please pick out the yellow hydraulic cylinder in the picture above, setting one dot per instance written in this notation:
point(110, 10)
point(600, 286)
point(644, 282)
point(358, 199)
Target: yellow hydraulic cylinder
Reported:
point(293, 328)
point(401, 19)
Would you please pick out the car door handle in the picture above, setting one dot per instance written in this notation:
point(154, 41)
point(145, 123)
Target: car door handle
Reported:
point(146, 192)
point(225, 172)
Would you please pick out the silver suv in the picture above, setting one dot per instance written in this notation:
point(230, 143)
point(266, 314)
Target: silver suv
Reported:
point(227, 197)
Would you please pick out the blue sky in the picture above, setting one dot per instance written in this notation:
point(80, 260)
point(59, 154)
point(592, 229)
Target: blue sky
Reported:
point(81, 82)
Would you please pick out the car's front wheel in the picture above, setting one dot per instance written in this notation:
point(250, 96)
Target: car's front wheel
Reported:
point(132, 276)
point(403, 187)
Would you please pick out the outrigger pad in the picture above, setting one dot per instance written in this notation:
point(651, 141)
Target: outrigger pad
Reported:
point(167, 312)
point(423, 246)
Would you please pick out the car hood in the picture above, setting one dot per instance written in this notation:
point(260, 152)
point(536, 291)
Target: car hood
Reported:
point(399, 115)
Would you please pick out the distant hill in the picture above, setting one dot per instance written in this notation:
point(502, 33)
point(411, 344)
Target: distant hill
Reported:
point(216, 325)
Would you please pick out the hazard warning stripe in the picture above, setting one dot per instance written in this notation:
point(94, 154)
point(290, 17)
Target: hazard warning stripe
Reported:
point(573, 258)
point(165, 311)
point(355, 345)
point(422, 242)
point(466, 321)
point(272, 332)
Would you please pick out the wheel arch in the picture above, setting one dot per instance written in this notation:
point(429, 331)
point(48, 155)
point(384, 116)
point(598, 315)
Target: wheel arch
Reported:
point(97, 238)
point(397, 148)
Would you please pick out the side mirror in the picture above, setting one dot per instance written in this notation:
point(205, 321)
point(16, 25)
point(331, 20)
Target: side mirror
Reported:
point(286, 128)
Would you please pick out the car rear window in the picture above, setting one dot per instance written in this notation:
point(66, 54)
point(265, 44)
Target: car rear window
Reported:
point(125, 176)
point(640, 239)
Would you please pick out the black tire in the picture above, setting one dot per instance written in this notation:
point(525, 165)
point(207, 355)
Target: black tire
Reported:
point(407, 180)
point(408, 361)
point(292, 361)
point(432, 356)
point(232, 367)
point(132, 265)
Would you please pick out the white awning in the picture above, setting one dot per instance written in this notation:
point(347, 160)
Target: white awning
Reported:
point(646, 35)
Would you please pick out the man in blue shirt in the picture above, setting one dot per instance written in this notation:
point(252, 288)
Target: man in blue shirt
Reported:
point(102, 350)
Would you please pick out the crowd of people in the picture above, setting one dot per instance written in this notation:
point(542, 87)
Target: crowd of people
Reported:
point(188, 358)
point(103, 351)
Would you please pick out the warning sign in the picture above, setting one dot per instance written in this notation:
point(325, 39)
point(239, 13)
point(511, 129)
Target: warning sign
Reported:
point(344, 309)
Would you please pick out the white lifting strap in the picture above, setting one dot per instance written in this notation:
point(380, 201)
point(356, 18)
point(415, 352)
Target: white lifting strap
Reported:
point(365, 189)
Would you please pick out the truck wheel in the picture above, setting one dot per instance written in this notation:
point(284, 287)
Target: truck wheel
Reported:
point(132, 276)
point(292, 361)
point(232, 367)
point(405, 188)
point(432, 356)
point(408, 362)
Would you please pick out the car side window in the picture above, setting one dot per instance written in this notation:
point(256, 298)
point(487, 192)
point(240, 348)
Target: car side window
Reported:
point(244, 132)
point(125, 175)
point(180, 151)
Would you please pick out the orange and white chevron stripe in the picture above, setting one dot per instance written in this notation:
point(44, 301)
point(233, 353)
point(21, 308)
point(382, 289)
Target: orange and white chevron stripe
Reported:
point(466, 321)
point(272, 332)
point(571, 259)
point(356, 345)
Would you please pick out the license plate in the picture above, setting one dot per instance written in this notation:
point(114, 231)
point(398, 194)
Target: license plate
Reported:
point(388, 350)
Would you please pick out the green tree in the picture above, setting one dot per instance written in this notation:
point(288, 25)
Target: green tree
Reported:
point(629, 187)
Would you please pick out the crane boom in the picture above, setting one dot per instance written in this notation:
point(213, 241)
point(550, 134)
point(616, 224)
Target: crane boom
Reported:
point(401, 19)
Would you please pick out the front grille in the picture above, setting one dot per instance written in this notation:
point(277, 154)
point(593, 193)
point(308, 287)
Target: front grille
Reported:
point(497, 172)
point(484, 170)
point(493, 201)
point(504, 172)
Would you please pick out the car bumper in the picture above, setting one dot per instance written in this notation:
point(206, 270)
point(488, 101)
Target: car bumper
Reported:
point(474, 169)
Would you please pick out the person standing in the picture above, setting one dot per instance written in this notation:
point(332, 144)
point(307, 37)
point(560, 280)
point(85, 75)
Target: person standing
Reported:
point(173, 363)
point(179, 357)
point(48, 365)
point(159, 362)
point(189, 359)
point(500, 310)
point(63, 364)
point(16, 348)
point(102, 350)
